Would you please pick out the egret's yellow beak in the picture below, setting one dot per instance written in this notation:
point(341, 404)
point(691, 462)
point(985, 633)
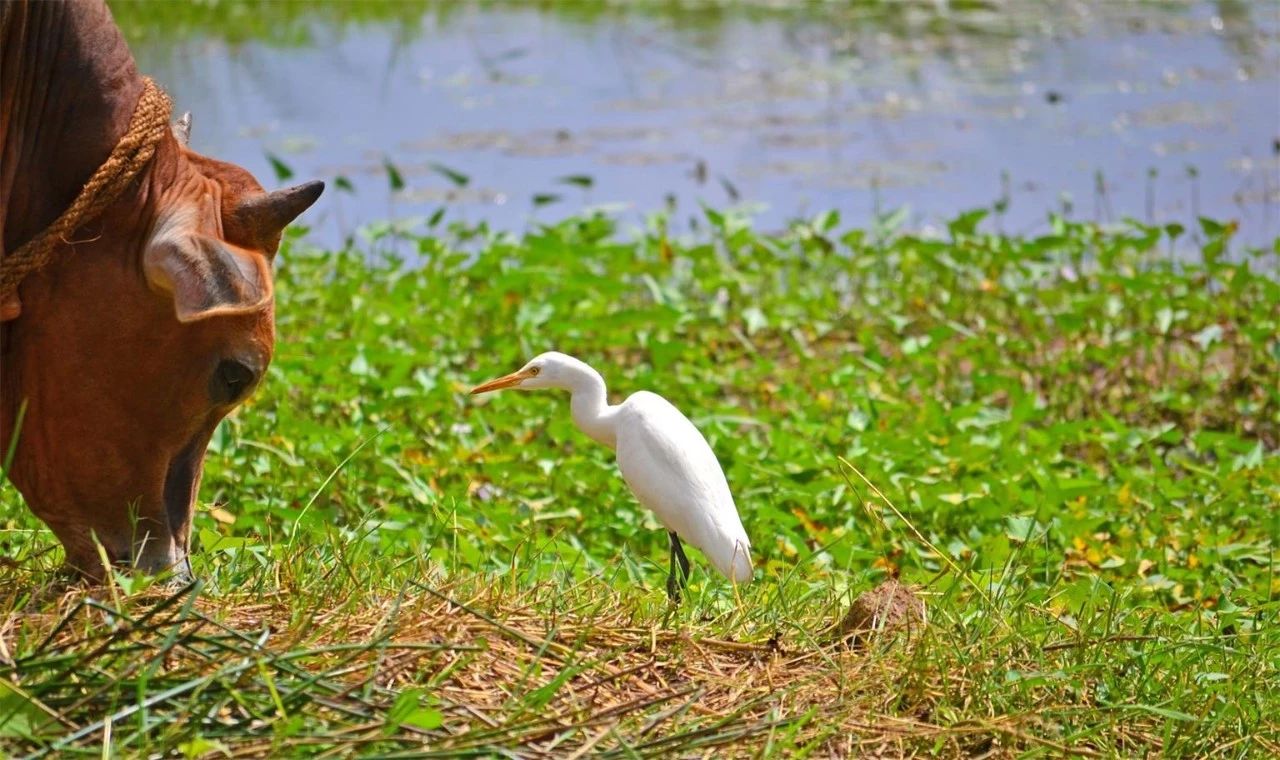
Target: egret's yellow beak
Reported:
point(497, 384)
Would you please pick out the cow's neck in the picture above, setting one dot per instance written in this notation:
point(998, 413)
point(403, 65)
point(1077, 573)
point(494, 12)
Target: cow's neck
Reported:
point(68, 87)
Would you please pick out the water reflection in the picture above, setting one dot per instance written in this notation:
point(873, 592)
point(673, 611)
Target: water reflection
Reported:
point(1157, 111)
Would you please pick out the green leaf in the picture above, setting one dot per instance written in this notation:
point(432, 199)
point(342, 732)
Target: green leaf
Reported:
point(213, 542)
point(1211, 227)
point(540, 696)
point(359, 366)
point(19, 713)
point(456, 177)
point(891, 222)
point(281, 169)
point(966, 223)
point(409, 710)
point(915, 344)
point(1250, 461)
point(1164, 712)
point(1022, 528)
point(826, 221)
point(394, 178)
point(1208, 336)
point(755, 319)
point(201, 747)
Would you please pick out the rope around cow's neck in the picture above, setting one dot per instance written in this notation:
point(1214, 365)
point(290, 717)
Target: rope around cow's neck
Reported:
point(147, 127)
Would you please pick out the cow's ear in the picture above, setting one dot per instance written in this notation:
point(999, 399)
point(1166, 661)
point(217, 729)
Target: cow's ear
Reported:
point(207, 276)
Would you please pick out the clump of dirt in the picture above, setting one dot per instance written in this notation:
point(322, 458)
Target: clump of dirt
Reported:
point(890, 607)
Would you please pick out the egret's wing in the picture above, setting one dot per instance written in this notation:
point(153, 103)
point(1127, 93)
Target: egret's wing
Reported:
point(672, 470)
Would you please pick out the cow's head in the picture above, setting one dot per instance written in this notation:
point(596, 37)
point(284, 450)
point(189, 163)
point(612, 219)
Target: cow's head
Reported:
point(131, 346)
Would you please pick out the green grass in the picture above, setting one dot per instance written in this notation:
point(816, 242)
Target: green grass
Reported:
point(1069, 443)
point(695, 23)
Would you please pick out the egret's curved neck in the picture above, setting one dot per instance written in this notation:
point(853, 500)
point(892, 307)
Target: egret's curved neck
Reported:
point(590, 406)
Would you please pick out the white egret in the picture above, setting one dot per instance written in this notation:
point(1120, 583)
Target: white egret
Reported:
point(664, 459)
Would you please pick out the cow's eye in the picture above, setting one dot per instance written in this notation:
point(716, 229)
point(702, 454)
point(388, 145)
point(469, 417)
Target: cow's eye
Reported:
point(231, 381)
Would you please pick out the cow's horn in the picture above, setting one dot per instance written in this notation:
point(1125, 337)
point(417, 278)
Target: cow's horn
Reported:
point(268, 214)
point(182, 129)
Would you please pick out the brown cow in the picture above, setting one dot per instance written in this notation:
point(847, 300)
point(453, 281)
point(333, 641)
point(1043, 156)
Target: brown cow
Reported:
point(144, 330)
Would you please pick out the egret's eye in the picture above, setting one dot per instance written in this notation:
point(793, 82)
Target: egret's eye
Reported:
point(231, 381)
point(533, 371)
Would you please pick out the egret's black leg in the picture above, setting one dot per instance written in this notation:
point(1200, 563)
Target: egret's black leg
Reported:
point(673, 589)
point(684, 561)
point(674, 584)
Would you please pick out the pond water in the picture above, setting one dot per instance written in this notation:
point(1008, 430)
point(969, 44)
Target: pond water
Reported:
point(1158, 111)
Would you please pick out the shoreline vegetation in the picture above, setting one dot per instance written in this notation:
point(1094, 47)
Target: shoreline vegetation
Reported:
point(1067, 444)
point(288, 23)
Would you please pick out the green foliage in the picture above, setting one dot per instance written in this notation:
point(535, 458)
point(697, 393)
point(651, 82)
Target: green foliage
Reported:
point(1085, 429)
point(1075, 382)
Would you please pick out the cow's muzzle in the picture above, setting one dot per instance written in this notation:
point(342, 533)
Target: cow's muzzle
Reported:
point(158, 553)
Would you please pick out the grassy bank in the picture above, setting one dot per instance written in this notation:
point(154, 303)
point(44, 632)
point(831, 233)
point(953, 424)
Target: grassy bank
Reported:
point(1068, 442)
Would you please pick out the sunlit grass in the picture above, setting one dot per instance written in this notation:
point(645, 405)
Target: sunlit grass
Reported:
point(1068, 442)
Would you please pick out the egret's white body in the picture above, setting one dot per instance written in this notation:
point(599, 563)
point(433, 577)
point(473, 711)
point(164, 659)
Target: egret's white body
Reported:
point(663, 458)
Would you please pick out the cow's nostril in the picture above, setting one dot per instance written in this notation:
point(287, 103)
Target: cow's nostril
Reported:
point(231, 381)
